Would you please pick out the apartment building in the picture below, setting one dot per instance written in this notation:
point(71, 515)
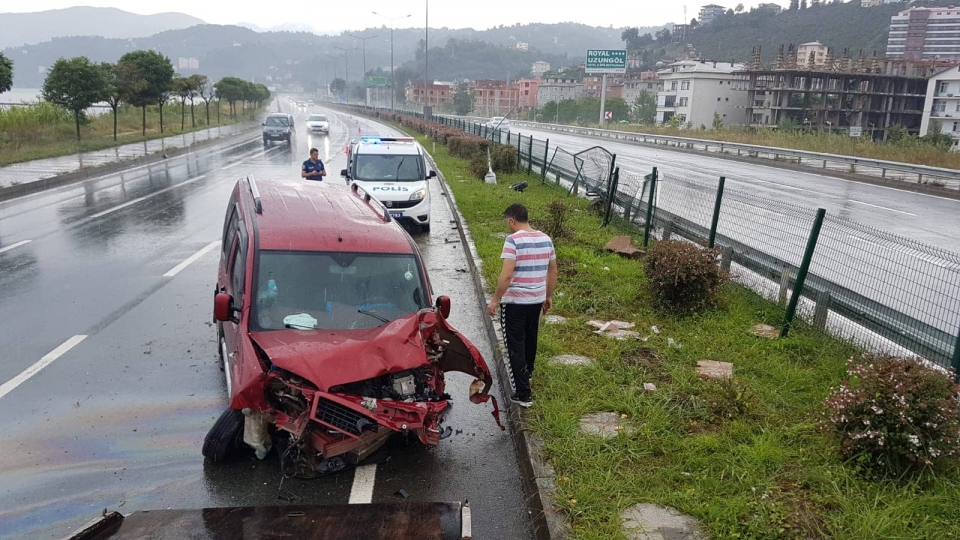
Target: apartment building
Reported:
point(539, 68)
point(435, 94)
point(495, 98)
point(558, 89)
point(696, 89)
point(592, 86)
point(648, 80)
point(925, 34)
point(819, 51)
point(527, 94)
point(942, 104)
point(710, 12)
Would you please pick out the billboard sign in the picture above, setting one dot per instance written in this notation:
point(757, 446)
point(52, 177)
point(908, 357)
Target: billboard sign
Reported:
point(606, 61)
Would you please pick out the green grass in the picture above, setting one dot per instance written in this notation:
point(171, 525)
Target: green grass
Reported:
point(43, 131)
point(746, 459)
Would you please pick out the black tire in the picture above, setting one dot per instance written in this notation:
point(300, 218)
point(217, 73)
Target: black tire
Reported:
point(223, 437)
point(425, 228)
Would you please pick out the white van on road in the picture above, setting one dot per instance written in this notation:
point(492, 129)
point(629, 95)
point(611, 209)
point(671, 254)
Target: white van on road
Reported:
point(394, 170)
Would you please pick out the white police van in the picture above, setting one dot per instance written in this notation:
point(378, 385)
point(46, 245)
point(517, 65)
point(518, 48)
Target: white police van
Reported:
point(394, 170)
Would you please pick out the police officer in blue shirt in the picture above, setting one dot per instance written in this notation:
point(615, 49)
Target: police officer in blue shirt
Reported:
point(313, 168)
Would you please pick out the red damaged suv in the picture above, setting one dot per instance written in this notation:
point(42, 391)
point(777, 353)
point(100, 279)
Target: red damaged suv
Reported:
point(329, 338)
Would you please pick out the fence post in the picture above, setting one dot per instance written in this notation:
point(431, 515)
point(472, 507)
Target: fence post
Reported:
point(509, 142)
point(802, 272)
point(519, 151)
point(716, 214)
point(610, 196)
point(530, 157)
point(784, 284)
point(726, 258)
point(956, 358)
point(653, 192)
point(667, 230)
point(543, 168)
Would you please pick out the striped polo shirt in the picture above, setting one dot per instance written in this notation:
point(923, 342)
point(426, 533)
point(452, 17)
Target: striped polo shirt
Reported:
point(533, 252)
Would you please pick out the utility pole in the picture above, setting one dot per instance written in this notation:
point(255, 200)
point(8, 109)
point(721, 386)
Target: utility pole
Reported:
point(363, 41)
point(393, 84)
point(346, 66)
point(426, 56)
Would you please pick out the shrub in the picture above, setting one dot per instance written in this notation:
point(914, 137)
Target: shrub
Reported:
point(682, 276)
point(468, 146)
point(892, 414)
point(479, 166)
point(554, 224)
point(504, 159)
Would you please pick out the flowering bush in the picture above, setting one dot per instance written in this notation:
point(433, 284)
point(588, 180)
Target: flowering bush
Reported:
point(893, 413)
point(682, 276)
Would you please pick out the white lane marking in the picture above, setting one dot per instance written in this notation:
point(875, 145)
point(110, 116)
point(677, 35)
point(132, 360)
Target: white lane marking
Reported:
point(192, 259)
point(175, 186)
point(48, 359)
point(14, 246)
point(363, 478)
point(882, 207)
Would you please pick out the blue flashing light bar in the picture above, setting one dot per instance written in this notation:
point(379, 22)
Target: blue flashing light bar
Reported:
point(378, 140)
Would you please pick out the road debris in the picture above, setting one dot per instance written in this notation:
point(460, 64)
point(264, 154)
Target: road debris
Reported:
point(615, 329)
point(623, 245)
point(710, 369)
point(765, 331)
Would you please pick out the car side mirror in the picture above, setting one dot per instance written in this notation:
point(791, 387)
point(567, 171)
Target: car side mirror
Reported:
point(222, 307)
point(443, 306)
point(343, 173)
point(432, 174)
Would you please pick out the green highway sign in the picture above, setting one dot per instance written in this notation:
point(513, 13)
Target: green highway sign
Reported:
point(377, 81)
point(606, 61)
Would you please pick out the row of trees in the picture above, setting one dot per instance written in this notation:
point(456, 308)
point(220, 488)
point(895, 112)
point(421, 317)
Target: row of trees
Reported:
point(643, 110)
point(139, 79)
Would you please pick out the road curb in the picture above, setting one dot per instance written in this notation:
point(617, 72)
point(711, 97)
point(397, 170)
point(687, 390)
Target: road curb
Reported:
point(44, 184)
point(536, 473)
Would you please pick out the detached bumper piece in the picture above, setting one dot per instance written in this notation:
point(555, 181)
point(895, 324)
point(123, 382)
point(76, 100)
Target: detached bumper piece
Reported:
point(440, 521)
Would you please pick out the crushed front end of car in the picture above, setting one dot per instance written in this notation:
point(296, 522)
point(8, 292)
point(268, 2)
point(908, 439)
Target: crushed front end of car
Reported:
point(334, 399)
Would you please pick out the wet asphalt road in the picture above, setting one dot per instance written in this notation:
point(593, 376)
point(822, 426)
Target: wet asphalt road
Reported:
point(925, 218)
point(117, 420)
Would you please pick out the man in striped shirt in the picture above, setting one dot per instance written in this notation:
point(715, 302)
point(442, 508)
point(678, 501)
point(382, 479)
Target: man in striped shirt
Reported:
point(525, 289)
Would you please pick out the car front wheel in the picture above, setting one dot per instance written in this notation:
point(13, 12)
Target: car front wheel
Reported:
point(224, 437)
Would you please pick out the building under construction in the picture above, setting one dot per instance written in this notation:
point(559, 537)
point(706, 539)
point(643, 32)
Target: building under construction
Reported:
point(837, 94)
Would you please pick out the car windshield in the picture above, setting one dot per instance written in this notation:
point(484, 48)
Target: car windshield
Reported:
point(317, 118)
point(391, 168)
point(281, 121)
point(335, 291)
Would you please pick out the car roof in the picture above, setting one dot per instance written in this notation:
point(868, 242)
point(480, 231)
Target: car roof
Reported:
point(279, 114)
point(324, 216)
point(400, 146)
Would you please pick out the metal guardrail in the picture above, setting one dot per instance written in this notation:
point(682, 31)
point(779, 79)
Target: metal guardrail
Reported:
point(920, 171)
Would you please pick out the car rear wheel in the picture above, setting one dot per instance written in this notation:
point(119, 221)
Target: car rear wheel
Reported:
point(224, 437)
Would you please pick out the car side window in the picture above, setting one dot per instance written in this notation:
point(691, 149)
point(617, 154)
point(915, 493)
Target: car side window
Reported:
point(238, 271)
point(230, 230)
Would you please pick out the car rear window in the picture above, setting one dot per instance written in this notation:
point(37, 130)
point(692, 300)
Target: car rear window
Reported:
point(340, 291)
point(317, 118)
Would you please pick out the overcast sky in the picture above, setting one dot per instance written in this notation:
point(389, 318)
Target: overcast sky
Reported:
point(333, 16)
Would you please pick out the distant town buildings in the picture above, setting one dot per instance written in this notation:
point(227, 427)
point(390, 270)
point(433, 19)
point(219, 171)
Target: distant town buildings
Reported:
point(495, 98)
point(188, 64)
point(876, 3)
point(776, 8)
point(527, 90)
point(942, 104)
point(539, 68)
point(523, 46)
point(694, 90)
point(558, 89)
point(680, 33)
point(819, 51)
point(925, 33)
point(645, 81)
point(710, 12)
point(436, 93)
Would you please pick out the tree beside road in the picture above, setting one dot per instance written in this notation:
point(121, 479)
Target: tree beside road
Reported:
point(75, 85)
point(6, 73)
point(157, 72)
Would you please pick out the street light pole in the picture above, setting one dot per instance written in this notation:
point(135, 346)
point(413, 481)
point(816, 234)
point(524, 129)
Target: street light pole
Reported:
point(426, 56)
point(393, 89)
point(346, 65)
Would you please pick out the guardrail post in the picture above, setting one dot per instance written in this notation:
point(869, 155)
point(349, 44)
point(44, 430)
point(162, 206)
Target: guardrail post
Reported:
point(649, 220)
point(802, 272)
point(822, 309)
point(530, 157)
point(919, 178)
point(611, 194)
point(716, 214)
point(784, 284)
point(726, 258)
point(543, 168)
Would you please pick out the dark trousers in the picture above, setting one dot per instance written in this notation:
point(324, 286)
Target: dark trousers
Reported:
point(521, 324)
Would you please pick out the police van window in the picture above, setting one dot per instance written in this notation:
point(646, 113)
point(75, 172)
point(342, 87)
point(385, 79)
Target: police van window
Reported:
point(393, 168)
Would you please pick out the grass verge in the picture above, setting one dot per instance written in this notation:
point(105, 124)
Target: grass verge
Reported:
point(745, 458)
point(42, 130)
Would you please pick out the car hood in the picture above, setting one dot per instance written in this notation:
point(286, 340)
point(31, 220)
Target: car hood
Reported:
point(328, 358)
